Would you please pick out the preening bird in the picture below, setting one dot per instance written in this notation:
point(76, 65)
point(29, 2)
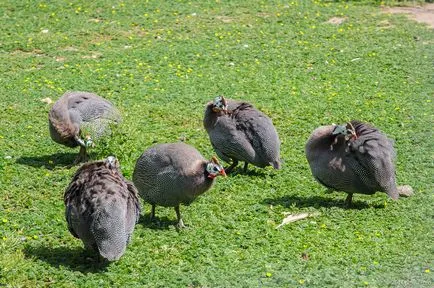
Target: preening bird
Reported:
point(80, 118)
point(240, 132)
point(173, 174)
point(102, 208)
point(354, 158)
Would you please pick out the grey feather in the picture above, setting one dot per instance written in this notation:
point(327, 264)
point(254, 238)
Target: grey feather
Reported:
point(102, 208)
point(77, 115)
point(362, 163)
point(173, 174)
point(242, 133)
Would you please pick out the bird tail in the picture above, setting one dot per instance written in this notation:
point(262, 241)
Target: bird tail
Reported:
point(108, 229)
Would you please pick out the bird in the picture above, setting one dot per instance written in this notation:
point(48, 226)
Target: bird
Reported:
point(79, 118)
point(171, 174)
point(240, 132)
point(102, 208)
point(354, 158)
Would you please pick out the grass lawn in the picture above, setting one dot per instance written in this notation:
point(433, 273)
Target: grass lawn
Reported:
point(160, 63)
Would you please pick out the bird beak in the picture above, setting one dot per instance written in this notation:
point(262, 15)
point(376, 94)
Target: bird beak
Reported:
point(223, 173)
point(354, 135)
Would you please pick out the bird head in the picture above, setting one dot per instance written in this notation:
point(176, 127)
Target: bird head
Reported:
point(347, 130)
point(214, 168)
point(220, 104)
point(111, 162)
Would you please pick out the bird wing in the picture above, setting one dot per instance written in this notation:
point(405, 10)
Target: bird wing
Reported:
point(134, 198)
point(230, 141)
point(73, 193)
point(259, 132)
point(374, 152)
point(70, 213)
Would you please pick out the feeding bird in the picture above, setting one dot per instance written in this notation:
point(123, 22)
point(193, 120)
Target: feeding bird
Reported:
point(102, 208)
point(240, 132)
point(79, 119)
point(354, 158)
point(172, 174)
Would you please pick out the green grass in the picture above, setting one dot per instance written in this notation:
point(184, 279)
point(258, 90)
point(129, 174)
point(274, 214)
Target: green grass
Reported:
point(160, 63)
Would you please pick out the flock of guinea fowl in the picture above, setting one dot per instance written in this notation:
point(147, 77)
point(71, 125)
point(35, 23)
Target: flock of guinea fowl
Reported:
point(102, 207)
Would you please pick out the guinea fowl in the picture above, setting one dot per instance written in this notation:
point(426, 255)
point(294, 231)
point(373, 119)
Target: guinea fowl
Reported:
point(174, 173)
point(240, 132)
point(79, 118)
point(102, 208)
point(354, 158)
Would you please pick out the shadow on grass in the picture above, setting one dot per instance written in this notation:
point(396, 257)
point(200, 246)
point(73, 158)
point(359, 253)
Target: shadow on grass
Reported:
point(157, 223)
point(77, 259)
point(48, 161)
point(317, 202)
point(252, 171)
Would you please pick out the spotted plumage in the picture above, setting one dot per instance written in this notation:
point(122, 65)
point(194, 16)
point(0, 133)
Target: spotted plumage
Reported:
point(80, 118)
point(354, 158)
point(240, 132)
point(102, 208)
point(173, 174)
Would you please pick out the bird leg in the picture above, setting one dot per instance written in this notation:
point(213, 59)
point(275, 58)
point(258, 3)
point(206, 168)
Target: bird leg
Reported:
point(152, 212)
point(231, 167)
point(180, 224)
point(349, 199)
point(245, 167)
point(82, 154)
point(81, 157)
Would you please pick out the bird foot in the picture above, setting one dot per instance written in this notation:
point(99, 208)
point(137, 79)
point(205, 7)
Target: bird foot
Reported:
point(245, 167)
point(231, 167)
point(80, 159)
point(180, 225)
point(152, 219)
point(348, 200)
point(228, 169)
point(77, 161)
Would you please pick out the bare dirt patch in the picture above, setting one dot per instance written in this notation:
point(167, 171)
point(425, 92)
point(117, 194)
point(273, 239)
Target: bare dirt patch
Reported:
point(225, 19)
point(22, 52)
point(337, 20)
point(421, 14)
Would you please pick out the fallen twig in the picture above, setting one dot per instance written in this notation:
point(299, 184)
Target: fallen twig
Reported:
point(295, 217)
